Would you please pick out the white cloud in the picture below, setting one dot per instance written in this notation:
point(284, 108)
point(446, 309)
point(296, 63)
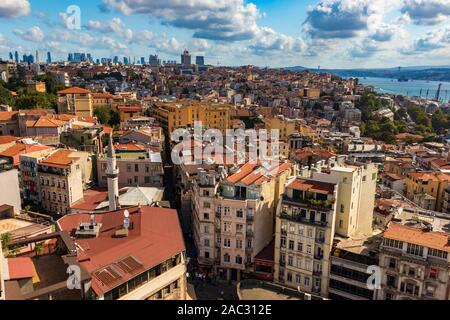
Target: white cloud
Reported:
point(427, 12)
point(115, 26)
point(225, 20)
point(33, 34)
point(433, 40)
point(344, 19)
point(14, 8)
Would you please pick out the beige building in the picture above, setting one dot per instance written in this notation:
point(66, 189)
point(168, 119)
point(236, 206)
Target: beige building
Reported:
point(137, 167)
point(61, 180)
point(76, 101)
point(233, 216)
point(356, 198)
point(285, 126)
point(305, 226)
point(414, 264)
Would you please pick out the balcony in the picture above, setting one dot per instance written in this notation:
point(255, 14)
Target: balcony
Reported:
point(249, 233)
point(250, 217)
point(320, 240)
point(318, 256)
point(300, 219)
point(218, 215)
point(311, 203)
point(317, 273)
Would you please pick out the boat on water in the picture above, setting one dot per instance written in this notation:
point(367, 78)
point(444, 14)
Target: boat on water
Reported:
point(403, 79)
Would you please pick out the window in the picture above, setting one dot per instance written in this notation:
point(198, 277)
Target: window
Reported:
point(227, 226)
point(306, 281)
point(249, 244)
point(206, 205)
point(146, 179)
point(226, 257)
point(283, 242)
point(300, 246)
point(310, 233)
point(323, 217)
point(341, 223)
point(300, 231)
point(298, 278)
point(239, 213)
point(291, 245)
point(290, 261)
point(206, 216)
point(393, 243)
point(206, 242)
point(289, 276)
point(227, 243)
point(414, 249)
point(342, 208)
point(238, 244)
point(128, 167)
point(308, 249)
point(136, 179)
point(239, 228)
point(437, 253)
point(226, 211)
point(206, 229)
point(392, 263)
point(238, 259)
point(206, 254)
point(136, 168)
point(434, 272)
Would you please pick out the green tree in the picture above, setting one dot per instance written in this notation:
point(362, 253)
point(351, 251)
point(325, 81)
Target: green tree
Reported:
point(6, 240)
point(439, 121)
point(30, 99)
point(38, 247)
point(103, 114)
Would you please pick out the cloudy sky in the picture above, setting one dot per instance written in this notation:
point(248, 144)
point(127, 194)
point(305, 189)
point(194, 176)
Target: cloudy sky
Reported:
point(275, 33)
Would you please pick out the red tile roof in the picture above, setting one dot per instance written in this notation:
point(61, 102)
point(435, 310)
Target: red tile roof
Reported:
point(312, 186)
point(257, 174)
point(62, 157)
point(430, 239)
point(20, 268)
point(21, 148)
point(74, 90)
point(7, 115)
point(130, 108)
point(7, 139)
point(155, 237)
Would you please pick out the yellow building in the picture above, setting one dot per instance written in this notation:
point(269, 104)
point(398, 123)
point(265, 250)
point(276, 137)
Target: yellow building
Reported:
point(102, 100)
point(129, 112)
point(427, 189)
point(284, 125)
point(312, 93)
point(184, 113)
point(76, 101)
point(38, 86)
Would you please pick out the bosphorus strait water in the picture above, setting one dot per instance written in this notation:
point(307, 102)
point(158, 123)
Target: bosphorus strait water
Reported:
point(411, 88)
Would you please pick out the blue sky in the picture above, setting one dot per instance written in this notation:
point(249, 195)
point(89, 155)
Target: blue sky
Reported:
point(276, 33)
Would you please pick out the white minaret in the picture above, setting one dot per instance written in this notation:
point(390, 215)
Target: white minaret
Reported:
point(112, 173)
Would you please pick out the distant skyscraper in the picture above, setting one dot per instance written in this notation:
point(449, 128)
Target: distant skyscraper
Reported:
point(186, 58)
point(116, 60)
point(154, 60)
point(200, 60)
point(125, 60)
point(11, 57)
point(98, 61)
point(142, 60)
point(70, 57)
point(16, 57)
point(89, 58)
point(49, 57)
point(28, 58)
point(37, 56)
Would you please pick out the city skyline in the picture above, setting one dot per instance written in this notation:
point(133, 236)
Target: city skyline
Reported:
point(331, 33)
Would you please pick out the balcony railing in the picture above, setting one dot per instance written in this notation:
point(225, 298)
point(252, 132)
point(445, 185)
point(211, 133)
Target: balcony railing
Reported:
point(299, 218)
point(311, 203)
point(250, 217)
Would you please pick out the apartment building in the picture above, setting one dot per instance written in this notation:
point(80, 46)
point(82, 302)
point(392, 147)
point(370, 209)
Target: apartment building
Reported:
point(137, 256)
point(305, 226)
point(427, 189)
point(356, 195)
point(75, 101)
point(183, 114)
point(29, 176)
point(9, 123)
point(9, 180)
point(129, 112)
point(285, 126)
point(351, 261)
point(414, 263)
point(233, 216)
point(61, 181)
point(137, 166)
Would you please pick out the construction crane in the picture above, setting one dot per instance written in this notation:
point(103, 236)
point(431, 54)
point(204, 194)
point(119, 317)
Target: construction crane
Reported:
point(438, 92)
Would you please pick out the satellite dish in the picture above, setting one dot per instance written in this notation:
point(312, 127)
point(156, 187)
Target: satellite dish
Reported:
point(126, 213)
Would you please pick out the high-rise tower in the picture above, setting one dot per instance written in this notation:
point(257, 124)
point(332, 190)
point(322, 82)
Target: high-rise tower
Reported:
point(112, 174)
